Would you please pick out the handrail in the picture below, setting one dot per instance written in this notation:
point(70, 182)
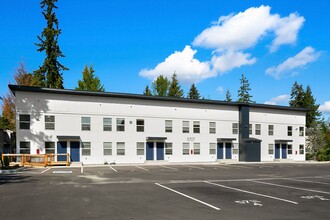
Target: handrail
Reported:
point(38, 159)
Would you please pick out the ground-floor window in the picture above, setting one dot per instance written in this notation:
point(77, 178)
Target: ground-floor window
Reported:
point(235, 148)
point(289, 149)
point(50, 147)
point(213, 147)
point(185, 149)
point(168, 148)
point(139, 148)
point(120, 148)
point(197, 148)
point(270, 149)
point(107, 148)
point(301, 149)
point(24, 147)
point(86, 149)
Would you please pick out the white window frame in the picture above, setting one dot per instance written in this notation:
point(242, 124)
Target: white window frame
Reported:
point(196, 148)
point(270, 130)
point(107, 124)
point(24, 150)
point(301, 149)
point(258, 129)
point(250, 129)
point(24, 123)
point(168, 148)
point(196, 127)
point(49, 122)
point(212, 148)
point(185, 148)
point(290, 149)
point(290, 129)
point(48, 148)
point(212, 127)
point(235, 128)
point(185, 126)
point(120, 124)
point(120, 148)
point(271, 149)
point(139, 125)
point(168, 126)
point(86, 148)
point(107, 148)
point(301, 131)
point(85, 123)
point(140, 148)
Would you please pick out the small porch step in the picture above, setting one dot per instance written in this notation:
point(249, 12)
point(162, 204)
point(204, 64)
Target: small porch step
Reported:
point(76, 164)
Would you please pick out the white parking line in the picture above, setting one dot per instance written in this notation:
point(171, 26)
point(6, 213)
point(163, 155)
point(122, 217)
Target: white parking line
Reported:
point(171, 168)
point(142, 168)
point(238, 166)
point(200, 168)
point(291, 187)
point(45, 170)
point(113, 169)
point(307, 181)
point(189, 197)
point(253, 193)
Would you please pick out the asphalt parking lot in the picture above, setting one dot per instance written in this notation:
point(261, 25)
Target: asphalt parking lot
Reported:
point(180, 191)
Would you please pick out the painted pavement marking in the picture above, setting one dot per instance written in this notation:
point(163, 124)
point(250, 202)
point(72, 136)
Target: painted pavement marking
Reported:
point(199, 168)
point(291, 187)
point(189, 197)
point(253, 201)
point(253, 193)
point(44, 171)
point(113, 169)
point(171, 168)
point(142, 168)
point(306, 181)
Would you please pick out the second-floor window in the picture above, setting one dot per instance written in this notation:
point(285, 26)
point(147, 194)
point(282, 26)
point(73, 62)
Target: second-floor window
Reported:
point(196, 127)
point(235, 128)
point(49, 122)
point(301, 131)
point(120, 124)
point(289, 130)
point(85, 123)
point(168, 126)
point(185, 127)
point(139, 125)
point(250, 129)
point(107, 124)
point(258, 129)
point(270, 130)
point(24, 121)
point(212, 128)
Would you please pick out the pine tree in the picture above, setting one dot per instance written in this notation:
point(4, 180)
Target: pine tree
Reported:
point(243, 92)
point(147, 91)
point(49, 74)
point(160, 86)
point(89, 82)
point(175, 88)
point(297, 96)
point(228, 96)
point(193, 92)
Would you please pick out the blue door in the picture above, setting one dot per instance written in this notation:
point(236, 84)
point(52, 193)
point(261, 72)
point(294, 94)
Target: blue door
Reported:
point(61, 149)
point(75, 151)
point(277, 151)
point(220, 151)
point(160, 150)
point(228, 150)
point(283, 151)
point(150, 151)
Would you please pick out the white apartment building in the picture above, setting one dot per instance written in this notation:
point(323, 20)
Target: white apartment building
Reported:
point(102, 127)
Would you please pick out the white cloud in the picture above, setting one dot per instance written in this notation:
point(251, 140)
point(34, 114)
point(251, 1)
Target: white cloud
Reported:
point(230, 60)
point(220, 89)
point(183, 63)
point(281, 99)
point(300, 60)
point(243, 30)
point(325, 107)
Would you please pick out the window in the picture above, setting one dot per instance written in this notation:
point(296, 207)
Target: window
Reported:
point(185, 127)
point(85, 123)
point(271, 130)
point(196, 127)
point(86, 149)
point(212, 127)
point(258, 129)
point(120, 124)
point(235, 128)
point(289, 149)
point(107, 124)
point(139, 125)
point(24, 147)
point(185, 149)
point(168, 148)
point(235, 148)
point(301, 131)
point(168, 126)
point(139, 148)
point(49, 122)
point(213, 147)
point(197, 148)
point(301, 149)
point(50, 147)
point(24, 121)
point(270, 149)
point(107, 148)
point(289, 130)
point(120, 148)
point(250, 128)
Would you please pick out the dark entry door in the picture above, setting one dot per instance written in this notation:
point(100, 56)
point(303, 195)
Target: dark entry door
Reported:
point(283, 151)
point(277, 151)
point(160, 150)
point(61, 149)
point(150, 151)
point(228, 150)
point(75, 151)
point(220, 151)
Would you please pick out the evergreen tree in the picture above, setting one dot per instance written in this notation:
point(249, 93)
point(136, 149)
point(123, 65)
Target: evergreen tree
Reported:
point(313, 114)
point(160, 86)
point(297, 96)
point(49, 74)
point(243, 92)
point(193, 92)
point(228, 96)
point(147, 91)
point(175, 88)
point(89, 82)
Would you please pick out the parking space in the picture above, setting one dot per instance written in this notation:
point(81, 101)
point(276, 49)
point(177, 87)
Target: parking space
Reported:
point(171, 191)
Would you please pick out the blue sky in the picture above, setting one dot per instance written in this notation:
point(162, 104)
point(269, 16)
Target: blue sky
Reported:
point(209, 42)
